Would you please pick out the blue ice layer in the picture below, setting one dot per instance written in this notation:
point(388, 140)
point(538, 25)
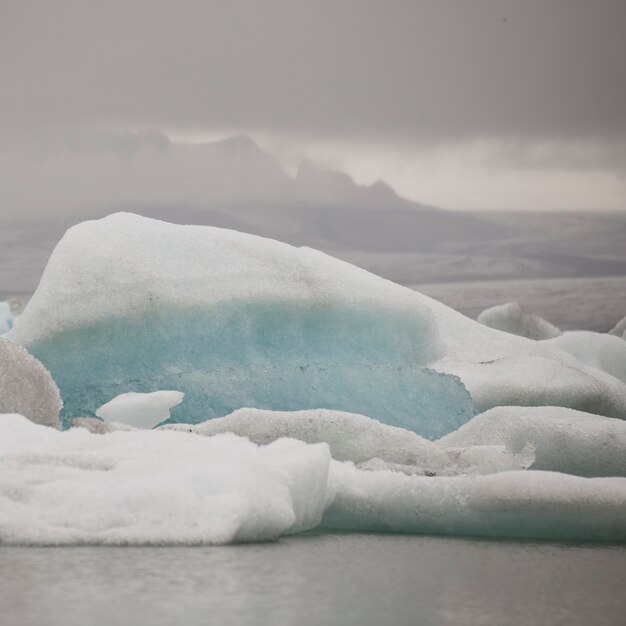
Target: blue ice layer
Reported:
point(279, 356)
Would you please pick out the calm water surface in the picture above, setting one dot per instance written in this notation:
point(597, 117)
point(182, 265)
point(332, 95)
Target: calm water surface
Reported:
point(317, 579)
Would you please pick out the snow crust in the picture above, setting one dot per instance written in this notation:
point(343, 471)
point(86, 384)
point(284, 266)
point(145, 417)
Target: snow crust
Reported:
point(140, 410)
point(563, 440)
point(511, 318)
point(26, 386)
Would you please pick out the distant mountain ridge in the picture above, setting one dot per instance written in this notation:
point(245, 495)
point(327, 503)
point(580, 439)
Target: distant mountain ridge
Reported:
point(319, 207)
point(232, 183)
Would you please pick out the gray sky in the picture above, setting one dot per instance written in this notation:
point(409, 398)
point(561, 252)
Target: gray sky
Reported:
point(465, 104)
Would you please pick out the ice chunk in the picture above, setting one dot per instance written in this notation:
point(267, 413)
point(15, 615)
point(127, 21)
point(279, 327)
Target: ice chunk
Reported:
point(27, 387)
point(599, 350)
point(362, 440)
point(563, 440)
point(511, 318)
point(140, 410)
point(524, 504)
point(233, 320)
point(153, 487)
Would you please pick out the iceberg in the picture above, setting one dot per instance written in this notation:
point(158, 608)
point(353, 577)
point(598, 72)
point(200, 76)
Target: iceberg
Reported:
point(563, 440)
point(131, 304)
point(232, 320)
point(511, 318)
point(26, 386)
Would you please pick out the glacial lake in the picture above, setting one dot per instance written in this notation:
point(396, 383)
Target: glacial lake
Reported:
point(317, 579)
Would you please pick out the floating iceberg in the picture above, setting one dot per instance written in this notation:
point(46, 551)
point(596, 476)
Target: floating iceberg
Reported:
point(130, 304)
point(26, 386)
point(563, 440)
point(511, 318)
point(140, 410)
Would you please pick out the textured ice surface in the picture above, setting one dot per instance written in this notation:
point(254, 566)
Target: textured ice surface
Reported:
point(602, 351)
point(563, 440)
point(511, 318)
point(153, 487)
point(163, 487)
point(26, 386)
point(361, 439)
point(140, 410)
point(525, 504)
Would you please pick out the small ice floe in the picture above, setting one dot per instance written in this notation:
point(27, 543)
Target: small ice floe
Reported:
point(140, 410)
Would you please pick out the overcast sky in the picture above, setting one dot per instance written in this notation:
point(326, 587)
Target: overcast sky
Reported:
point(463, 104)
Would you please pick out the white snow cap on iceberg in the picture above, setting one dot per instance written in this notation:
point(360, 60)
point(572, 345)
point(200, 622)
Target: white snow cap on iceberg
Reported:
point(511, 318)
point(140, 410)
